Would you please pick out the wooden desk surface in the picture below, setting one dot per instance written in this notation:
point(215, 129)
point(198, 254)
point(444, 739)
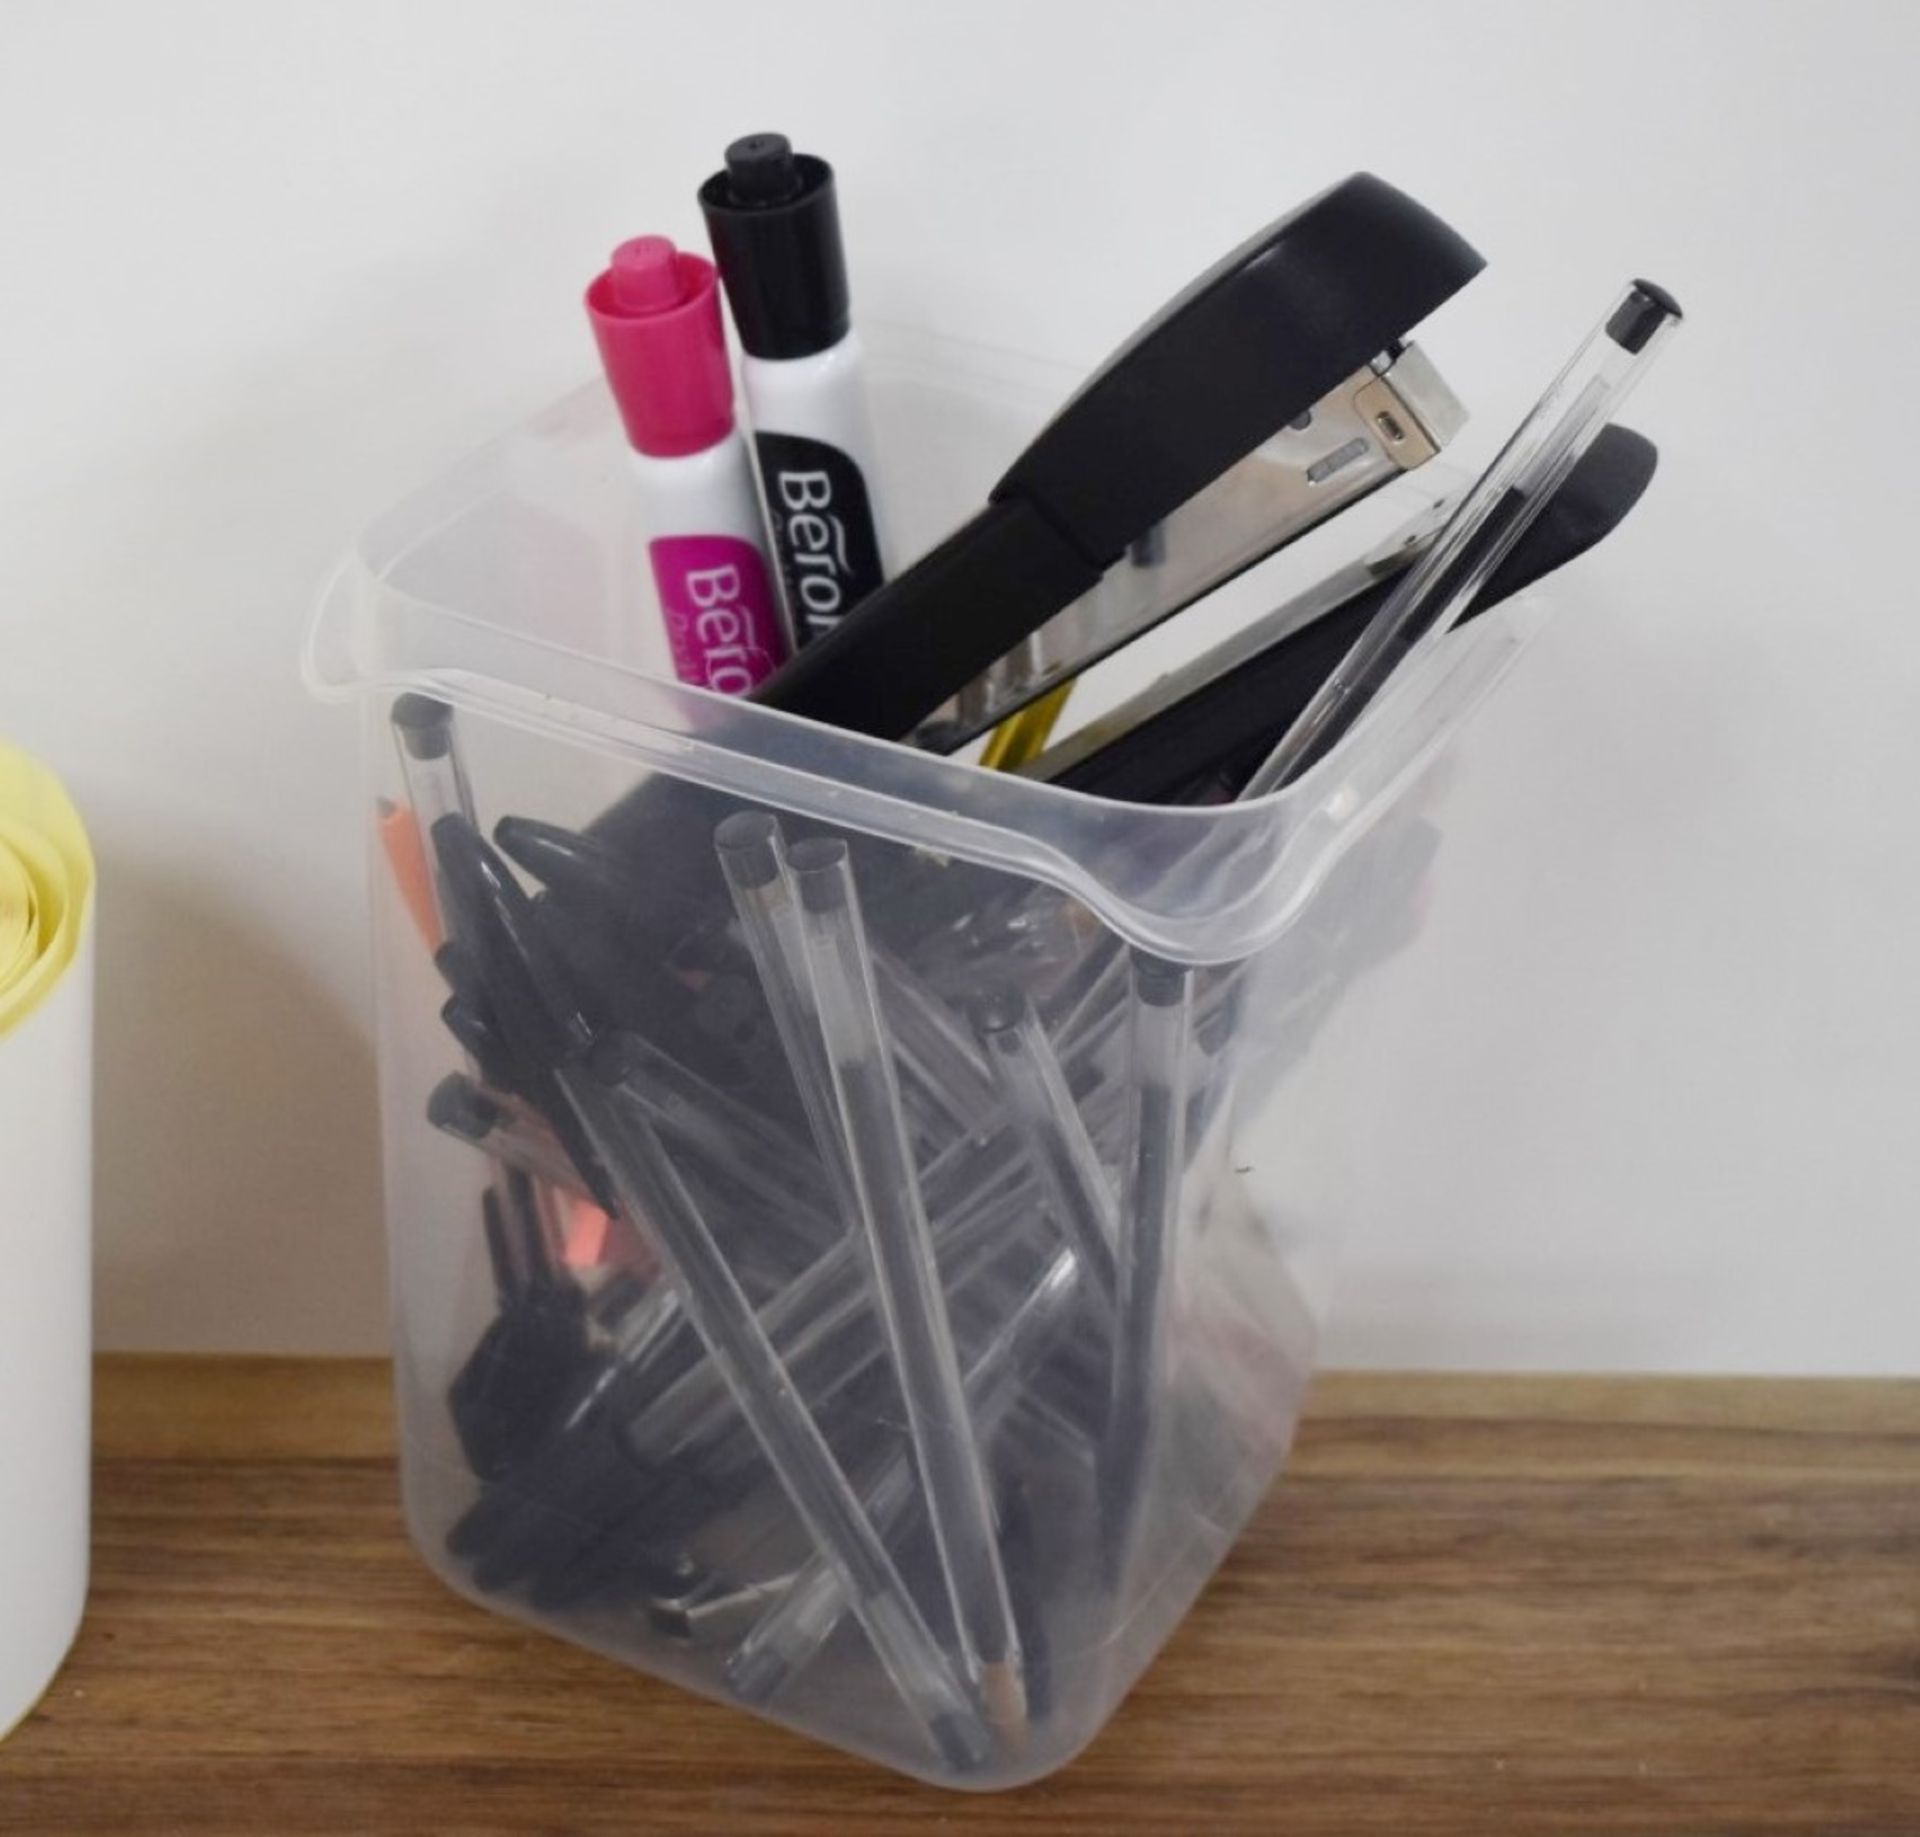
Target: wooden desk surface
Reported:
point(1484, 1606)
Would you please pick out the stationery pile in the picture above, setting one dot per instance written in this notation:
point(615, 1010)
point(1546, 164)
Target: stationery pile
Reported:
point(888, 1324)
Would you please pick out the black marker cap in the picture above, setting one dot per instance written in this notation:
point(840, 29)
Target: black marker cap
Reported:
point(774, 223)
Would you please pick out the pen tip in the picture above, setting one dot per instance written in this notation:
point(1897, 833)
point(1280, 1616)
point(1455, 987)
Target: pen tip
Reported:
point(1006, 1699)
point(755, 1674)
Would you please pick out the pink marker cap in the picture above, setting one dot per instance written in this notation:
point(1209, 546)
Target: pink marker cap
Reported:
point(656, 318)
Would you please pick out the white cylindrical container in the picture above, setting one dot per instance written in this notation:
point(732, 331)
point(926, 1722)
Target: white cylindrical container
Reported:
point(46, 1228)
point(775, 226)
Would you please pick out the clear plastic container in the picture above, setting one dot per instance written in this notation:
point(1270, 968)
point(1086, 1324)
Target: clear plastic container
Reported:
point(892, 1319)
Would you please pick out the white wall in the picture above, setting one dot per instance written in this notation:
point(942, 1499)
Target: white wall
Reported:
point(265, 267)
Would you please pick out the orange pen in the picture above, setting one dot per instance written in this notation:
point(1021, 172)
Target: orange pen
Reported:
point(406, 853)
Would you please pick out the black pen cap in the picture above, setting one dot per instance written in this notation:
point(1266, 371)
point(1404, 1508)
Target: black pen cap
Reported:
point(1158, 983)
point(996, 1012)
point(774, 223)
point(460, 1107)
point(822, 873)
point(576, 868)
point(425, 726)
point(749, 844)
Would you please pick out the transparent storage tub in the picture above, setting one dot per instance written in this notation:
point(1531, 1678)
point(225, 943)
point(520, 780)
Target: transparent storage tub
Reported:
point(890, 1295)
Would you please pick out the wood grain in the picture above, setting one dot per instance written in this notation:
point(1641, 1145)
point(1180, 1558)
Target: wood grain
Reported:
point(1476, 1605)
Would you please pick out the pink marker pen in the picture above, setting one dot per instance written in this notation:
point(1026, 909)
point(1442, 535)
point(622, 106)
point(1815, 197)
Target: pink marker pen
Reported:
point(656, 318)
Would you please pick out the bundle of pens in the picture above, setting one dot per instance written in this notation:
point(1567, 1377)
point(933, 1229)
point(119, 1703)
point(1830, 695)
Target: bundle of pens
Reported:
point(831, 1219)
point(899, 1298)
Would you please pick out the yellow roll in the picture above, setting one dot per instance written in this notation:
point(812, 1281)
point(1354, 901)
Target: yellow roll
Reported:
point(46, 1226)
point(46, 881)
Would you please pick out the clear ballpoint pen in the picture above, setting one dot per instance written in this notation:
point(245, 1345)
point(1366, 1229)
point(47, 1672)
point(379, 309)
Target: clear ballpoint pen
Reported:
point(494, 918)
point(800, 1623)
point(1162, 1011)
point(1049, 1124)
point(1492, 517)
point(906, 1276)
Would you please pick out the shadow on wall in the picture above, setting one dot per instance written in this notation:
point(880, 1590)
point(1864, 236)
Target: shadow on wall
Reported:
point(226, 1075)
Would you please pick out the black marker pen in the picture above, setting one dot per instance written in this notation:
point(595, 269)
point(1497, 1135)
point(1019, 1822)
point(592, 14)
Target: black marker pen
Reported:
point(775, 227)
